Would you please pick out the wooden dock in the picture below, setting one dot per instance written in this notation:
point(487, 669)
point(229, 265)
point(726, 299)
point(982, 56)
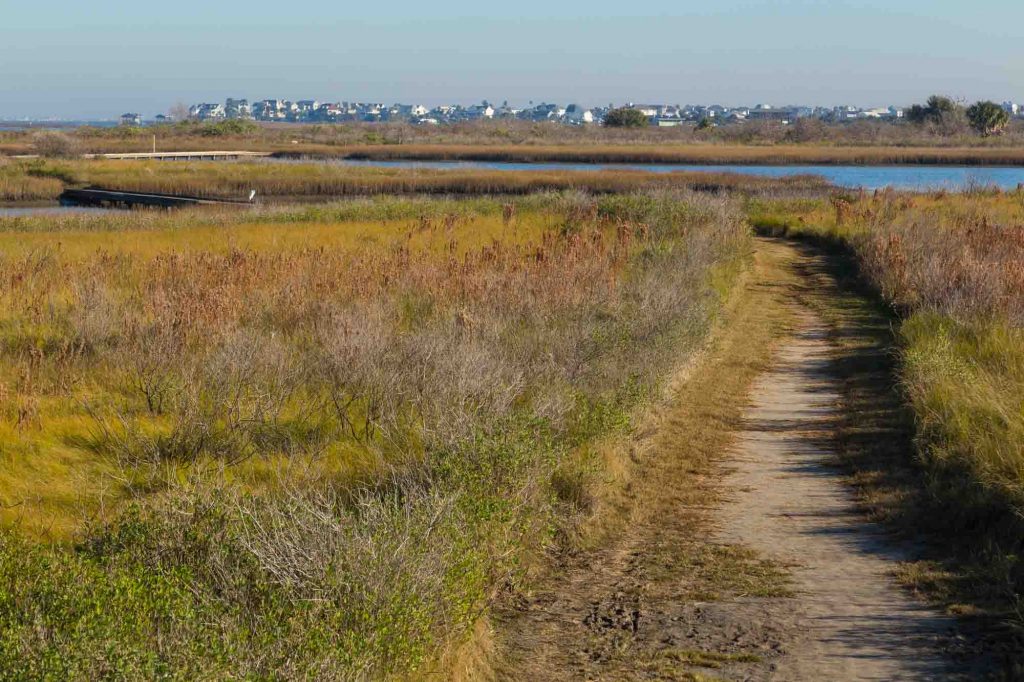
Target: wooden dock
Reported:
point(95, 196)
point(184, 156)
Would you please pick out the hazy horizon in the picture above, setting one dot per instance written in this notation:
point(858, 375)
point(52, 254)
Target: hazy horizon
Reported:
point(74, 61)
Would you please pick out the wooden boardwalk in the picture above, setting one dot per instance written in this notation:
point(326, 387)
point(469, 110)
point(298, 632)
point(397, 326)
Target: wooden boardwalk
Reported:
point(185, 156)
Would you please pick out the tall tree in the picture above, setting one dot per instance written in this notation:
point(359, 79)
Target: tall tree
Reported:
point(935, 110)
point(988, 118)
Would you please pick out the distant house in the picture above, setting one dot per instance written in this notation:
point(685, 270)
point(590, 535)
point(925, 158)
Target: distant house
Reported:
point(669, 121)
point(370, 111)
point(131, 119)
point(406, 111)
point(881, 113)
point(268, 109)
point(541, 112)
point(766, 113)
point(506, 111)
point(577, 115)
point(331, 111)
point(484, 110)
point(206, 111)
point(237, 108)
point(648, 110)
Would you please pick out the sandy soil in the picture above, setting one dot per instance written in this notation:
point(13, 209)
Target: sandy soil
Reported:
point(847, 619)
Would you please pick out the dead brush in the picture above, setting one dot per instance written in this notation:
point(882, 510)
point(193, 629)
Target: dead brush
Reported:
point(508, 213)
point(425, 224)
point(969, 269)
point(842, 209)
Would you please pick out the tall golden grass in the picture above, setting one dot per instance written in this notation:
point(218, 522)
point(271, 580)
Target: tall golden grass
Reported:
point(299, 447)
point(315, 180)
point(16, 184)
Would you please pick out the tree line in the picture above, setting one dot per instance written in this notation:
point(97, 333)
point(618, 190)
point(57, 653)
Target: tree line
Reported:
point(986, 117)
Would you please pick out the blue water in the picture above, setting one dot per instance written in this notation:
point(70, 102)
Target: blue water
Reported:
point(913, 178)
point(17, 211)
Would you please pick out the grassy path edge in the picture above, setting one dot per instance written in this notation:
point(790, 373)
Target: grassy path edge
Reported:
point(673, 457)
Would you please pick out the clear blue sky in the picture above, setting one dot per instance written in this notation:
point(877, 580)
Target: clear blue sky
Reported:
point(71, 58)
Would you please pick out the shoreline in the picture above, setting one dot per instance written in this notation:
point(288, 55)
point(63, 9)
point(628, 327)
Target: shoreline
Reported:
point(710, 155)
point(646, 154)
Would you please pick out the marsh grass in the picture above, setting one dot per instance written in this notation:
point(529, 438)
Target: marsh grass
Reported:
point(312, 180)
point(318, 442)
point(17, 184)
point(524, 134)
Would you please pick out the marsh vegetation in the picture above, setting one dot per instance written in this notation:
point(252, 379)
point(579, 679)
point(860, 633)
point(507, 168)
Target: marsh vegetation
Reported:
point(906, 141)
point(319, 442)
point(312, 181)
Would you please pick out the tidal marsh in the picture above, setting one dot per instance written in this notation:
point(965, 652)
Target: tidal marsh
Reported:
point(318, 181)
point(319, 441)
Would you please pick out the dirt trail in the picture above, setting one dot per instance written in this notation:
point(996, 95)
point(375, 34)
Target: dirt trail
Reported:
point(744, 557)
point(848, 620)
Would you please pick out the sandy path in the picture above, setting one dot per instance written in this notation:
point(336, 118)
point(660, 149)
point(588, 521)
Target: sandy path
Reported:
point(743, 556)
point(849, 621)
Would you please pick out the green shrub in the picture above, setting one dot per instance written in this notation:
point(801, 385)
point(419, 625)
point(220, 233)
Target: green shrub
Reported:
point(626, 117)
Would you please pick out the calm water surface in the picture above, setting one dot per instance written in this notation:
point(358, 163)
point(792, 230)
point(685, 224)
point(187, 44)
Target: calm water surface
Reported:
point(16, 211)
point(914, 178)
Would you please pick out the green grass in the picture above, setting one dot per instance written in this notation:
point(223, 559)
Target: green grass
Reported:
point(966, 383)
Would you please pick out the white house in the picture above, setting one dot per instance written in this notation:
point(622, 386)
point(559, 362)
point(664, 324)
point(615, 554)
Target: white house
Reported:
point(206, 111)
point(577, 115)
point(484, 110)
point(648, 110)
